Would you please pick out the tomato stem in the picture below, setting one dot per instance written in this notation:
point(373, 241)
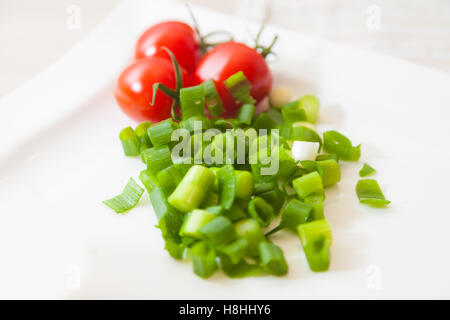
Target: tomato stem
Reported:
point(264, 51)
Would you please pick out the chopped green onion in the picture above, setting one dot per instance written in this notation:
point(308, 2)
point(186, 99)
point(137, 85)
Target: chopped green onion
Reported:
point(246, 113)
point(336, 143)
point(219, 231)
point(127, 199)
point(190, 124)
point(239, 87)
point(304, 134)
point(275, 198)
point(369, 192)
point(292, 112)
point(192, 102)
point(158, 158)
point(160, 134)
point(264, 186)
point(326, 156)
point(308, 184)
point(193, 189)
point(176, 250)
point(236, 250)
point(215, 210)
point(130, 142)
point(204, 259)
point(194, 221)
point(250, 230)
point(262, 121)
point(169, 178)
point(261, 211)
point(366, 170)
point(331, 174)
point(272, 259)
point(244, 184)
point(317, 254)
point(240, 269)
point(296, 213)
point(227, 186)
point(148, 180)
point(235, 213)
point(212, 98)
point(309, 231)
point(141, 133)
point(310, 104)
point(316, 200)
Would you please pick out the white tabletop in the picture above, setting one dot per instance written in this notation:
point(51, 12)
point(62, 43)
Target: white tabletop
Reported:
point(34, 34)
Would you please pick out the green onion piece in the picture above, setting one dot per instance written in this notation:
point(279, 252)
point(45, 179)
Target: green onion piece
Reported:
point(310, 104)
point(246, 113)
point(239, 270)
point(218, 231)
point(250, 230)
point(236, 250)
point(203, 259)
point(130, 142)
point(235, 213)
point(369, 192)
point(192, 102)
point(193, 189)
point(176, 250)
point(169, 178)
point(158, 158)
point(366, 170)
point(316, 201)
point(302, 133)
point(169, 219)
point(227, 186)
point(194, 221)
point(296, 213)
point(160, 134)
point(275, 198)
point(141, 133)
point(308, 184)
point(239, 87)
point(309, 231)
point(215, 210)
point(212, 199)
point(261, 211)
point(272, 259)
point(244, 184)
point(189, 124)
point(212, 98)
point(127, 199)
point(326, 156)
point(263, 121)
point(317, 254)
point(264, 187)
point(331, 174)
point(336, 143)
point(292, 112)
point(148, 180)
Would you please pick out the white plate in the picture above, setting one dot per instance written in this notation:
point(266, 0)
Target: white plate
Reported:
point(60, 156)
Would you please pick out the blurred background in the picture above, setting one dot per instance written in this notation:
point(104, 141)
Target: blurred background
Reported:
point(34, 34)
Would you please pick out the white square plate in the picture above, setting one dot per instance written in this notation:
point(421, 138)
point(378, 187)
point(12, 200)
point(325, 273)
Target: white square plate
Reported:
point(60, 157)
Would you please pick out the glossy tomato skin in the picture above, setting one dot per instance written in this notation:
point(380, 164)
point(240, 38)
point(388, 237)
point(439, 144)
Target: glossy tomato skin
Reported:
point(228, 58)
point(134, 89)
point(177, 36)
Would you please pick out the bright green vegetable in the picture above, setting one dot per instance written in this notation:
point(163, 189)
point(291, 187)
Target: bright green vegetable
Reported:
point(235, 213)
point(308, 184)
point(246, 113)
point(369, 192)
point(158, 158)
point(331, 174)
point(193, 189)
point(239, 270)
point(316, 201)
point(192, 102)
point(212, 98)
point(272, 259)
point(317, 254)
point(338, 144)
point(310, 104)
point(194, 221)
point(204, 259)
point(169, 178)
point(275, 198)
point(130, 142)
point(141, 133)
point(309, 231)
point(160, 133)
point(295, 213)
point(244, 184)
point(227, 186)
point(250, 230)
point(236, 250)
point(239, 87)
point(176, 250)
point(218, 231)
point(261, 211)
point(366, 170)
point(127, 199)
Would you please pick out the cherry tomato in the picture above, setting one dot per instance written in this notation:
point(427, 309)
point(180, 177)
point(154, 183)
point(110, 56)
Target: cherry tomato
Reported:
point(225, 60)
point(177, 36)
point(134, 90)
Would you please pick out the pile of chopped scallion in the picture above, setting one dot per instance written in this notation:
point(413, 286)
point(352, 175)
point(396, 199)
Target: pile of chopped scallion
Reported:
point(222, 212)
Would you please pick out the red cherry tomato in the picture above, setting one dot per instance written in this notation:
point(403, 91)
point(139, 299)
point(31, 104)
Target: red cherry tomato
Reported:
point(225, 60)
point(177, 36)
point(134, 90)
